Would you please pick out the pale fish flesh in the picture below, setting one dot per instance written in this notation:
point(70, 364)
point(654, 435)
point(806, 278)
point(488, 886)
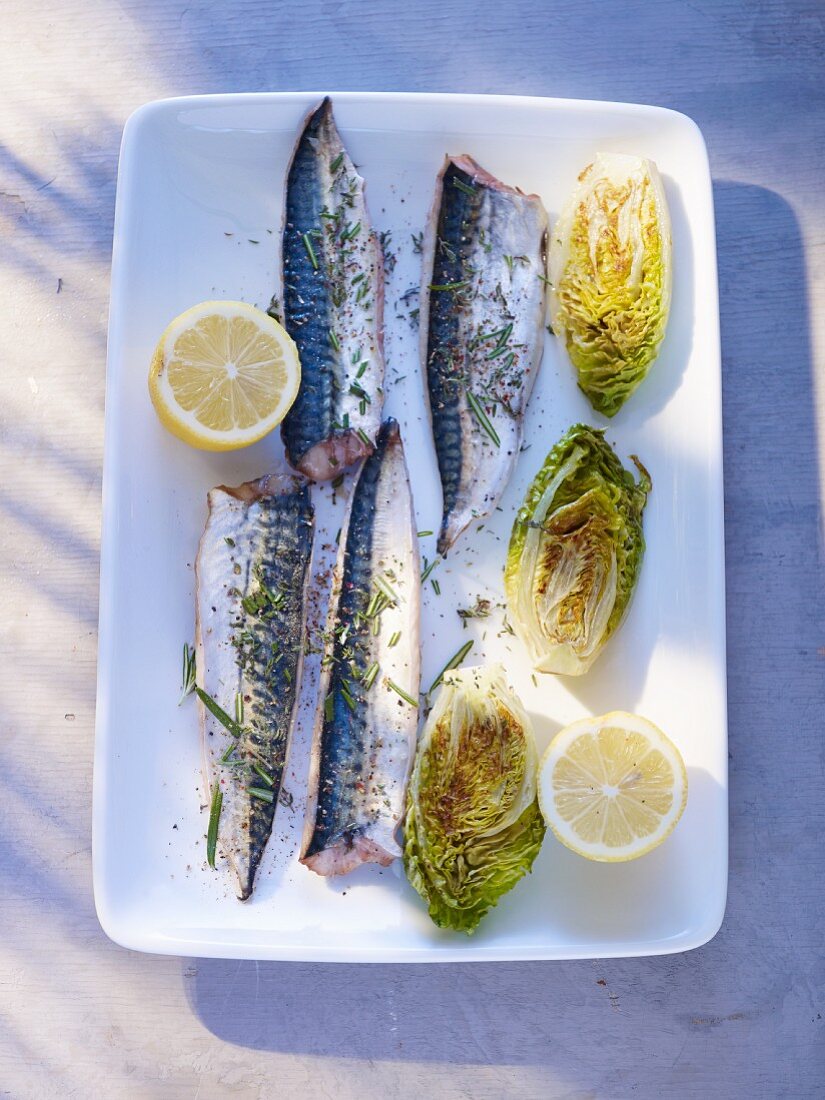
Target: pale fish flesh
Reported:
point(367, 717)
point(482, 333)
point(252, 569)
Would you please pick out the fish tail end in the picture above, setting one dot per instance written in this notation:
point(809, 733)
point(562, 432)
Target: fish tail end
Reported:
point(344, 856)
point(332, 456)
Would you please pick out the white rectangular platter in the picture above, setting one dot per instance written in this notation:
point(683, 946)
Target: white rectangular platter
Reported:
point(199, 205)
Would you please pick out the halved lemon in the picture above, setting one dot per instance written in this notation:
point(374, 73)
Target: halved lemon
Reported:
point(223, 375)
point(612, 788)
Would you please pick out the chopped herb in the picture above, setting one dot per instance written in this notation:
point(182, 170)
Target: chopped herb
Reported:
point(188, 675)
point(262, 793)
point(436, 586)
point(362, 435)
point(545, 280)
point(228, 723)
point(395, 639)
point(450, 286)
point(369, 676)
point(453, 662)
point(336, 164)
point(338, 481)
point(428, 569)
point(462, 186)
point(229, 541)
point(348, 699)
point(329, 708)
point(313, 259)
point(333, 339)
point(251, 241)
point(423, 534)
point(359, 373)
point(482, 417)
point(400, 691)
point(509, 261)
point(386, 588)
point(358, 391)
point(480, 610)
point(239, 708)
point(212, 831)
point(418, 242)
point(270, 782)
point(533, 678)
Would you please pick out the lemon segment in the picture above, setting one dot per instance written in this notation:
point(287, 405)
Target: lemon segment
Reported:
point(223, 375)
point(612, 788)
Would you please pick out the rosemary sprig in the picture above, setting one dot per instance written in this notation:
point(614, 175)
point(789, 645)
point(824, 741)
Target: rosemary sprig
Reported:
point(404, 695)
point(482, 417)
point(453, 662)
point(188, 675)
point(212, 831)
point(228, 723)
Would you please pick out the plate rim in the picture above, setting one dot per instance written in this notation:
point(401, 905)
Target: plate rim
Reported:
point(118, 930)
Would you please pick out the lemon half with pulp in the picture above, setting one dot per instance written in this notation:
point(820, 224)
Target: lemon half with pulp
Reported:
point(612, 788)
point(223, 375)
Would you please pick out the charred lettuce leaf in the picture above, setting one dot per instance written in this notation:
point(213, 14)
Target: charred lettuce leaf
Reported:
point(575, 552)
point(473, 825)
point(610, 273)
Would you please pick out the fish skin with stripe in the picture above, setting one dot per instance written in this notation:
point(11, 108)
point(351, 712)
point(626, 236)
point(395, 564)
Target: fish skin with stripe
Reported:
point(367, 718)
point(252, 570)
point(333, 304)
point(482, 333)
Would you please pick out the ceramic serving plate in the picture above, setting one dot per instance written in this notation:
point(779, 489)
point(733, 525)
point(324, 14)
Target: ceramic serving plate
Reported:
point(199, 204)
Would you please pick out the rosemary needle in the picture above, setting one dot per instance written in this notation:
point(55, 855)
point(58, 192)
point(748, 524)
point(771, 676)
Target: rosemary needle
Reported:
point(214, 818)
point(453, 662)
point(188, 676)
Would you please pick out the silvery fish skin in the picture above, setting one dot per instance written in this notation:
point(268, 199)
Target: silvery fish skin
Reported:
point(251, 570)
point(333, 288)
point(482, 333)
point(365, 731)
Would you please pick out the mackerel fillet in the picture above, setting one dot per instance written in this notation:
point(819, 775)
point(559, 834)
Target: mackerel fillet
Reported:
point(333, 288)
point(367, 717)
point(482, 333)
point(251, 570)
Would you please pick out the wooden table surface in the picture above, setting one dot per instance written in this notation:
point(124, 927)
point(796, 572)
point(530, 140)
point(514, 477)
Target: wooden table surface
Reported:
point(741, 1017)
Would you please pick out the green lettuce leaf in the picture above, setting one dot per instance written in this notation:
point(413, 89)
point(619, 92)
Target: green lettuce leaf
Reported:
point(473, 825)
point(575, 552)
point(610, 273)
